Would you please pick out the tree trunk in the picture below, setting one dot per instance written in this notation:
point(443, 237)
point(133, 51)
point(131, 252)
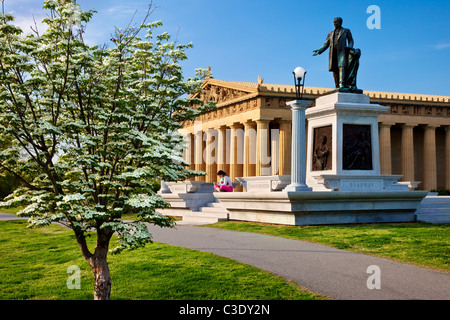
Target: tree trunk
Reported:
point(99, 263)
point(102, 286)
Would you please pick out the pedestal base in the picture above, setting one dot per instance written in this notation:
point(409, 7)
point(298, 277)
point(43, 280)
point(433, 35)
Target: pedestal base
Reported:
point(318, 208)
point(360, 183)
point(297, 188)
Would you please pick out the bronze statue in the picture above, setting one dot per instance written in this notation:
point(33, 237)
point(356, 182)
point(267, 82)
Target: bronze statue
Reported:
point(343, 59)
point(321, 154)
point(357, 151)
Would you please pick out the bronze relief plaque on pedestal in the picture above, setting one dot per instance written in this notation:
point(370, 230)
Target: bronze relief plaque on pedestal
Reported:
point(357, 147)
point(322, 149)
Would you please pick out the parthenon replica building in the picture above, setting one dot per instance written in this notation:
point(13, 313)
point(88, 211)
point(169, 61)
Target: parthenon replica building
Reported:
point(414, 136)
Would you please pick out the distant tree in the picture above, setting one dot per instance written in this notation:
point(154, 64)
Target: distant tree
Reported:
point(8, 183)
point(91, 128)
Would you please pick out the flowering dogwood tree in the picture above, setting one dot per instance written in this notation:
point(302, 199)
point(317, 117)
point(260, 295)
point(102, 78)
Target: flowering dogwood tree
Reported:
point(88, 130)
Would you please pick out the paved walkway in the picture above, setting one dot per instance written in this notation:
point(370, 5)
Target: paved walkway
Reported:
point(335, 273)
point(8, 216)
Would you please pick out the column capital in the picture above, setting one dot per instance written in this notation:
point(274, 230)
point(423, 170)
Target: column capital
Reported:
point(236, 125)
point(249, 124)
point(299, 104)
point(386, 124)
point(258, 121)
point(432, 126)
point(409, 125)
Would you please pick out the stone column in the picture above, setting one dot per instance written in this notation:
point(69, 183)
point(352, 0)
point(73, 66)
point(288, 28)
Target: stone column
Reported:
point(385, 148)
point(191, 153)
point(236, 167)
point(275, 151)
point(198, 145)
point(187, 150)
point(222, 163)
point(262, 147)
point(429, 158)
point(298, 159)
point(211, 155)
point(407, 152)
point(249, 149)
point(447, 157)
point(284, 152)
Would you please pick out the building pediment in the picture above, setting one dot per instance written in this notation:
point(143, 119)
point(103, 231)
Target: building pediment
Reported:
point(226, 91)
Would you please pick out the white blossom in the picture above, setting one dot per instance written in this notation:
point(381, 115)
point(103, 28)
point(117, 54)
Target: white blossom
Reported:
point(88, 129)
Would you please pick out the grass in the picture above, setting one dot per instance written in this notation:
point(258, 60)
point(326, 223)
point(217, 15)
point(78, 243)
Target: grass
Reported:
point(34, 262)
point(422, 244)
point(11, 210)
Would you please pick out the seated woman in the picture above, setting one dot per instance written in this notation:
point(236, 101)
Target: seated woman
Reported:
point(224, 184)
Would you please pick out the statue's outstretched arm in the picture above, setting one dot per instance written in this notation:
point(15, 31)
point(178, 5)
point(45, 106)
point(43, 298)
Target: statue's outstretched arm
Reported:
point(322, 48)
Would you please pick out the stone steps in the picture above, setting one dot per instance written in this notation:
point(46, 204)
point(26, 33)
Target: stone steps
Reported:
point(211, 213)
point(434, 209)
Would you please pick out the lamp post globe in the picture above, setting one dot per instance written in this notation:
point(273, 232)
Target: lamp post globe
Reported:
point(299, 73)
point(299, 80)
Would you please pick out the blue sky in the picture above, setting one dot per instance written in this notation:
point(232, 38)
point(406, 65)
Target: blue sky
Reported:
point(242, 39)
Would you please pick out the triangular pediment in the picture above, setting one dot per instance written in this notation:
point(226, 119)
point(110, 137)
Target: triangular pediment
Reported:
point(221, 91)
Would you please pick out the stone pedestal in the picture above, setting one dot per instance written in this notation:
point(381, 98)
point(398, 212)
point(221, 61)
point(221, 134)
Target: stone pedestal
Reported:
point(343, 148)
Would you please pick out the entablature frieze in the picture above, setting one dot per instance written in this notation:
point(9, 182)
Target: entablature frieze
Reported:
point(228, 111)
point(415, 110)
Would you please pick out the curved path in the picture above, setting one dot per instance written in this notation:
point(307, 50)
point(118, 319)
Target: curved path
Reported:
point(337, 274)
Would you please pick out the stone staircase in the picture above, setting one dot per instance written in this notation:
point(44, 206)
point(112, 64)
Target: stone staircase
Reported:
point(434, 209)
point(211, 213)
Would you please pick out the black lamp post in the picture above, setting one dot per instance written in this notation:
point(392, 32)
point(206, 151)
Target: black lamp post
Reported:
point(299, 80)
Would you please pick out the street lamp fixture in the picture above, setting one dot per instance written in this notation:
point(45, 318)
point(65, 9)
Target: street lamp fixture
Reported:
point(298, 143)
point(299, 80)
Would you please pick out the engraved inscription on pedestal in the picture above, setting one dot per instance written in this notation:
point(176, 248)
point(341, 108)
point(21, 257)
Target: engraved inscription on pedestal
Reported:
point(322, 149)
point(357, 147)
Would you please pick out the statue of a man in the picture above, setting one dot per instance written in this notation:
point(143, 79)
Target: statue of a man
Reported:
point(339, 41)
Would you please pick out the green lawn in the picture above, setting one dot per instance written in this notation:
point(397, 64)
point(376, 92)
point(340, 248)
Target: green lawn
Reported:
point(11, 210)
point(33, 262)
point(423, 244)
point(33, 265)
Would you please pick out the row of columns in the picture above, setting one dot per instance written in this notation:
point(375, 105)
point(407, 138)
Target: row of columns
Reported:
point(241, 150)
point(429, 180)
